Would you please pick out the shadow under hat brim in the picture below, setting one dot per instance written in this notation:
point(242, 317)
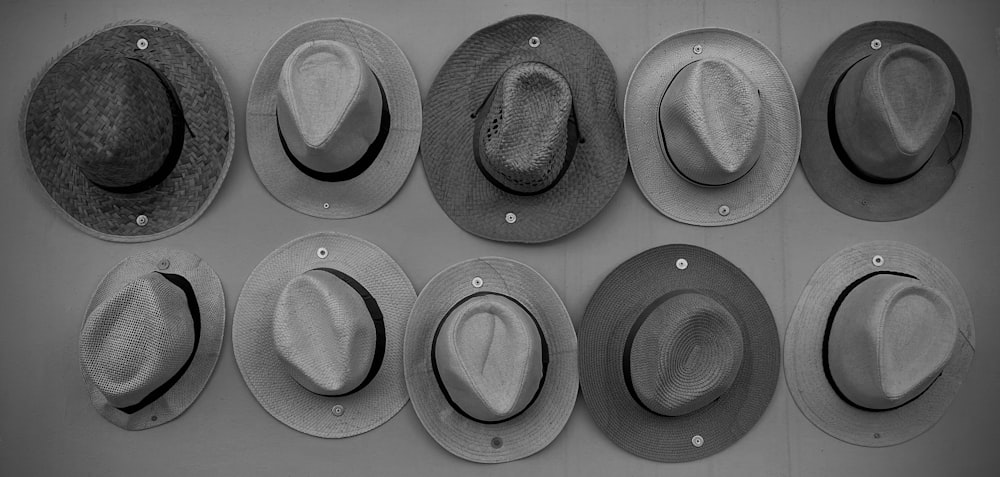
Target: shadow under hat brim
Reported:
point(832, 180)
point(661, 184)
point(267, 375)
point(540, 423)
point(608, 319)
point(212, 308)
point(186, 192)
point(374, 187)
point(466, 79)
point(804, 373)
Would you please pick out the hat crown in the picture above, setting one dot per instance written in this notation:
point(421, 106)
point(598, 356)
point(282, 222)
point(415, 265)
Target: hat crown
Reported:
point(685, 355)
point(117, 118)
point(712, 121)
point(489, 357)
point(329, 105)
point(892, 109)
point(137, 339)
point(890, 339)
point(523, 135)
point(324, 333)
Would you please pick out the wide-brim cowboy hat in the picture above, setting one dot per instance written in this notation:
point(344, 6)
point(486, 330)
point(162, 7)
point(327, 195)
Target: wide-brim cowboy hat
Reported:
point(382, 179)
point(201, 165)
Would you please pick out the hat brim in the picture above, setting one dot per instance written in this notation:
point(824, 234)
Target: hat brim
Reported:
point(543, 420)
point(804, 374)
point(209, 141)
point(212, 307)
point(661, 184)
point(597, 167)
point(374, 187)
point(832, 180)
point(267, 375)
point(610, 315)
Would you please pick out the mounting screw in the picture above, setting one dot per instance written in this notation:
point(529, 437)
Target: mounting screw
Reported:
point(321, 252)
point(697, 441)
point(477, 282)
point(326, 205)
point(682, 264)
point(141, 220)
point(510, 218)
point(534, 42)
point(496, 442)
point(142, 43)
point(878, 260)
point(723, 210)
point(164, 264)
point(876, 44)
point(338, 410)
point(696, 49)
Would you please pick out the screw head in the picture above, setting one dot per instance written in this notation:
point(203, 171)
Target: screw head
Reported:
point(681, 264)
point(878, 260)
point(321, 252)
point(141, 220)
point(696, 49)
point(697, 441)
point(338, 410)
point(534, 42)
point(510, 217)
point(152, 418)
point(477, 282)
point(723, 210)
point(164, 264)
point(877, 435)
point(496, 442)
point(876, 44)
point(142, 43)
point(326, 205)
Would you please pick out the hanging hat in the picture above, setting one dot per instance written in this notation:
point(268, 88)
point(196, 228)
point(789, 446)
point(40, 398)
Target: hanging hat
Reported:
point(151, 337)
point(490, 359)
point(129, 132)
point(318, 334)
point(523, 139)
point(712, 125)
point(333, 119)
point(679, 354)
point(878, 344)
point(887, 120)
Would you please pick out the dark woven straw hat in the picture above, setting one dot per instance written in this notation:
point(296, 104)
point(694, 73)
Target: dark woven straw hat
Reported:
point(879, 344)
point(490, 360)
point(886, 120)
point(129, 131)
point(522, 138)
point(318, 334)
point(679, 354)
point(333, 118)
point(151, 337)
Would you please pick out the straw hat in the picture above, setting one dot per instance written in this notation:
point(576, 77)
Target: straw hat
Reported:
point(490, 359)
point(679, 354)
point(717, 161)
point(151, 337)
point(887, 120)
point(129, 131)
point(318, 334)
point(523, 139)
point(333, 118)
point(878, 344)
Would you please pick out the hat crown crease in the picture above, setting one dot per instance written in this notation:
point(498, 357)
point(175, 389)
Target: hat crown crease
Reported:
point(137, 339)
point(712, 120)
point(117, 118)
point(324, 333)
point(892, 109)
point(890, 339)
point(523, 136)
point(685, 355)
point(329, 105)
point(490, 358)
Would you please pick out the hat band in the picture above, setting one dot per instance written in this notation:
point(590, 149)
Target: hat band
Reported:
point(666, 150)
point(845, 159)
point(359, 166)
point(572, 139)
point(192, 302)
point(627, 352)
point(437, 375)
point(376, 315)
point(176, 141)
point(826, 345)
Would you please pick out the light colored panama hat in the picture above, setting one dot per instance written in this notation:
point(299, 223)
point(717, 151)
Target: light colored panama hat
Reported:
point(129, 131)
point(887, 118)
point(679, 354)
point(490, 359)
point(151, 337)
point(333, 118)
point(712, 125)
point(522, 137)
point(318, 334)
point(878, 344)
